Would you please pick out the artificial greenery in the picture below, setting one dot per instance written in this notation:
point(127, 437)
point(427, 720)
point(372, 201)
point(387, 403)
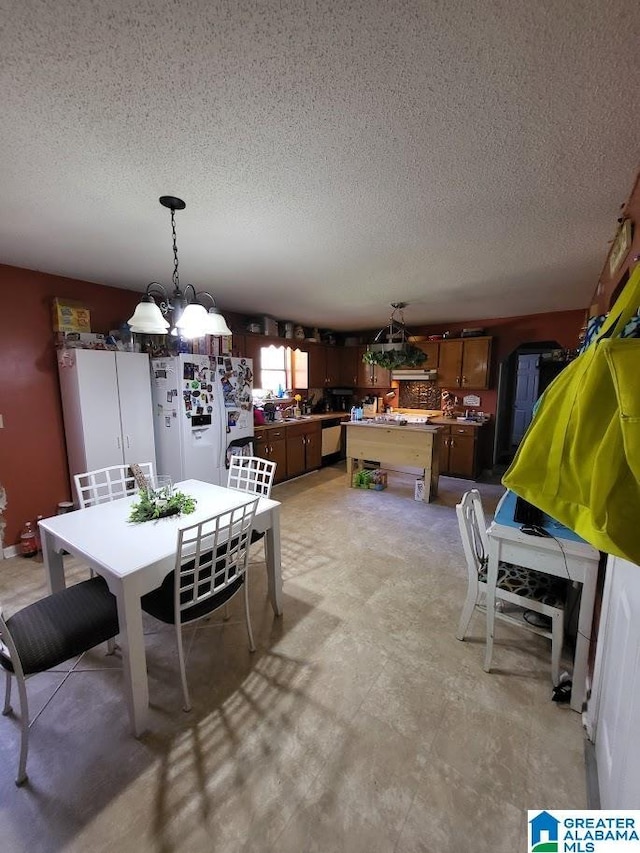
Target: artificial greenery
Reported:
point(362, 479)
point(160, 505)
point(392, 359)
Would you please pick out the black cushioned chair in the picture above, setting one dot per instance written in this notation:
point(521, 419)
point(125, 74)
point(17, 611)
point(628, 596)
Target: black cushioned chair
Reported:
point(49, 632)
point(211, 567)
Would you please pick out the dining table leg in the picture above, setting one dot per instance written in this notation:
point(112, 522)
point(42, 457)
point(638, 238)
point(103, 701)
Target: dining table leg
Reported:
point(53, 562)
point(583, 640)
point(274, 567)
point(134, 664)
point(492, 580)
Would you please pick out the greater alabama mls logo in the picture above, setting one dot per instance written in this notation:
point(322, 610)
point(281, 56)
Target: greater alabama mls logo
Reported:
point(544, 833)
point(583, 831)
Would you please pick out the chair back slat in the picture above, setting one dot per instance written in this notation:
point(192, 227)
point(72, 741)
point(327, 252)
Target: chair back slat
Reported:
point(473, 532)
point(251, 474)
point(212, 555)
point(108, 484)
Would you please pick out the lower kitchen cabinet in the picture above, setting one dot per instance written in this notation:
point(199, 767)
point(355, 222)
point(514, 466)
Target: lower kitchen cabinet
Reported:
point(272, 444)
point(304, 447)
point(459, 455)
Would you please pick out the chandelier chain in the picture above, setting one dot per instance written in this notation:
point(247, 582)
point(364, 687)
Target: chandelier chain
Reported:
point(176, 277)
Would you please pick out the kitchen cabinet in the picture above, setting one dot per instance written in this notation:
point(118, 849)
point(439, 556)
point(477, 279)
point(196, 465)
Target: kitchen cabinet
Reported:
point(348, 367)
point(304, 447)
point(432, 350)
point(459, 455)
point(371, 375)
point(272, 444)
point(332, 366)
point(317, 365)
point(107, 409)
point(464, 363)
point(333, 376)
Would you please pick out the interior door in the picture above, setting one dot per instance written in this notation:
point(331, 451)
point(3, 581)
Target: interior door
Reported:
point(617, 683)
point(526, 394)
point(136, 407)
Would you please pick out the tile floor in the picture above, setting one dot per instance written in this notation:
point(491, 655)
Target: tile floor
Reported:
point(361, 725)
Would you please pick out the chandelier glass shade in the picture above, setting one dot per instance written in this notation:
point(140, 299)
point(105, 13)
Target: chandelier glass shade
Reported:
point(189, 318)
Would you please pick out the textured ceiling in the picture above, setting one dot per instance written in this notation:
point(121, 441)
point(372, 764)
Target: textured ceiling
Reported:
point(468, 157)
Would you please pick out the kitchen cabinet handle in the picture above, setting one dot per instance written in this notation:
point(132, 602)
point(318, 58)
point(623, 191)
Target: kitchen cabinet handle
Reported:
point(118, 442)
point(128, 445)
point(464, 380)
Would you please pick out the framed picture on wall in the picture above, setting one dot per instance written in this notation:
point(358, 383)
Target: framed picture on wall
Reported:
point(621, 246)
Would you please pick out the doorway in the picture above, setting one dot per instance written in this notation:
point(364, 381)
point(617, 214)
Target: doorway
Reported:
point(524, 396)
point(522, 378)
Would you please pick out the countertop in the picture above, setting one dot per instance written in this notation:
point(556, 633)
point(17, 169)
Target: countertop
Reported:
point(434, 421)
point(324, 416)
point(408, 427)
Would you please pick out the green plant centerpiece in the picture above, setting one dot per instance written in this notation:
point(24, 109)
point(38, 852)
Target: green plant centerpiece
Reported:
point(160, 503)
point(392, 357)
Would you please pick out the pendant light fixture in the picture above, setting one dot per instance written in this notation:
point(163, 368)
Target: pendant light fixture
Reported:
point(395, 335)
point(190, 319)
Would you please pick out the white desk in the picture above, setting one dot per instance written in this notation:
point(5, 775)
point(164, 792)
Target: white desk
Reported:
point(134, 559)
point(569, 557)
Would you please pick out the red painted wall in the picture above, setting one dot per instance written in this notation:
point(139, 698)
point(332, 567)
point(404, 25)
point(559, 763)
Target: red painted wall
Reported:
point(508, 333)
point(33, 461)
point(608, 284)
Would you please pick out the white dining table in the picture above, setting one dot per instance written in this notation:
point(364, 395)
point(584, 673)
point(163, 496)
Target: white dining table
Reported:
point(134, 558)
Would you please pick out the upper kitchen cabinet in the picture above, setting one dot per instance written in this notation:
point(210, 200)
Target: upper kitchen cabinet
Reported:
point(464, 363)
point(432, 350)
point(348, 366)
point(332, 366)
point(371, 375)
point(107, 409)
point(317, 365)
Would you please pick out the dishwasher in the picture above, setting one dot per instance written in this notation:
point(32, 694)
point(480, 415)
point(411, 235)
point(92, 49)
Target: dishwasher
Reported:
point(332, 443)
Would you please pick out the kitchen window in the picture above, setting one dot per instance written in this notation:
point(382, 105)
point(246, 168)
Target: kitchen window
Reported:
point(283, 367)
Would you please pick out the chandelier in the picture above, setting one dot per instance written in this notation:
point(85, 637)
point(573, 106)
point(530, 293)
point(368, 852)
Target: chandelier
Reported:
point(189, 318)
point(394, 336)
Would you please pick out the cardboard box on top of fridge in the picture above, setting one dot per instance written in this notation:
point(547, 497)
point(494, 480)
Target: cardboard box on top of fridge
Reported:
point(70, 316)
point(85, 340)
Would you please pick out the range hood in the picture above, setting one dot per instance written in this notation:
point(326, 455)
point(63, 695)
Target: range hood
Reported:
point(414, 375)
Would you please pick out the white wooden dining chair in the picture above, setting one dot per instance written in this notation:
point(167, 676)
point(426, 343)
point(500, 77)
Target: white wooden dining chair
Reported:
point(211, 568)
point(518, 586)
point(108, 484)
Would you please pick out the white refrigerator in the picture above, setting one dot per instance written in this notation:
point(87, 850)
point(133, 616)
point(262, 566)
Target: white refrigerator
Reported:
point(203, 413)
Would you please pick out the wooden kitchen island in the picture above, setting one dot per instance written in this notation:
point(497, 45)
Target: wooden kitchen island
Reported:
point(414, 445)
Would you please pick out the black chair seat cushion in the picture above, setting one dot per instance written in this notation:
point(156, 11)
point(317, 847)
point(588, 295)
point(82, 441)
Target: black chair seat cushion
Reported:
point(62, 625)
point(160, 602)
point(255, 536)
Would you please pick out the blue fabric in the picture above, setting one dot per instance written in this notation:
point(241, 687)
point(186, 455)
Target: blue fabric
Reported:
point(594, 324)
point(507, 509)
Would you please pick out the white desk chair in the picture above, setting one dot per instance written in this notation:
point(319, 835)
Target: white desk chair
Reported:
point(525, 588)
point(211, 567)
point(108, 484)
